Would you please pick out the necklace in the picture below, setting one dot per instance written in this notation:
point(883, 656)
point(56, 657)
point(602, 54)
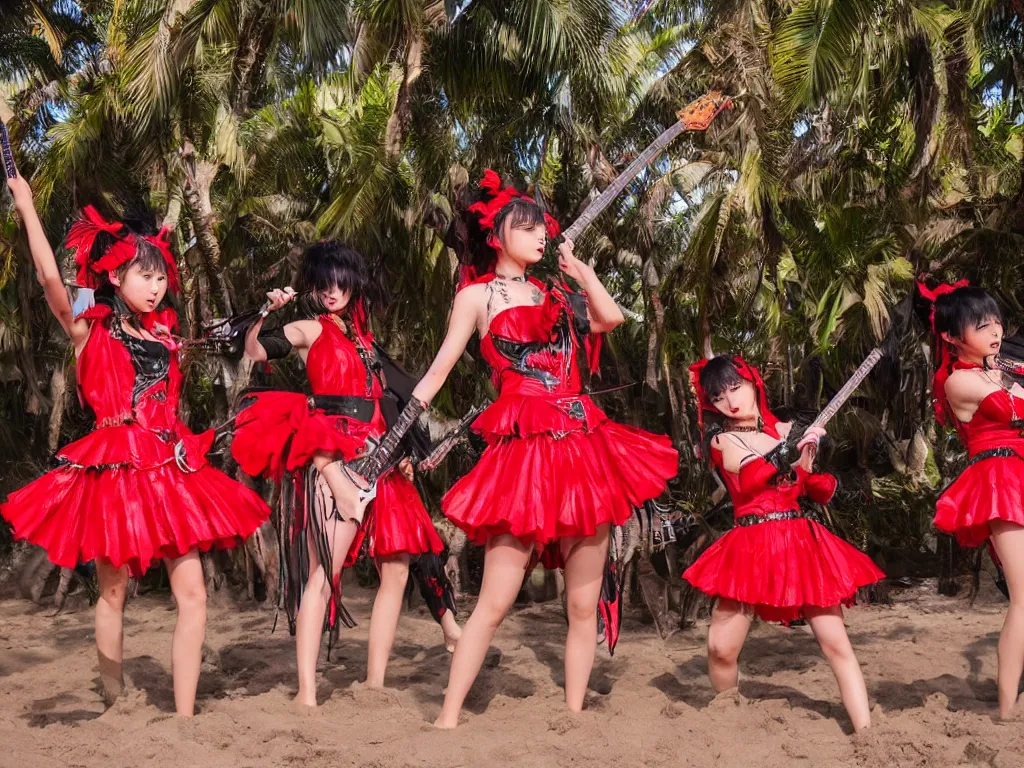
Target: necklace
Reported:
point(342, 325)
point(732, 426)
point(513, 279)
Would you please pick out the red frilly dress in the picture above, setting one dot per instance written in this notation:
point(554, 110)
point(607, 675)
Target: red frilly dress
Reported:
point(279, 432)
point(776, 560)
point(121, 493)
point(991, 487)
point(555, 465)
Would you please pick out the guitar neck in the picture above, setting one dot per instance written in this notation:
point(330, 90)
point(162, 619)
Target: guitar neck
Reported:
point(612, 191)
point(847, 390)
point(444, 446)
point(8, 155)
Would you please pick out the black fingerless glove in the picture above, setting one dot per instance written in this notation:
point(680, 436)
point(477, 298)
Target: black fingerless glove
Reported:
point(374, 464)
point(275, 343)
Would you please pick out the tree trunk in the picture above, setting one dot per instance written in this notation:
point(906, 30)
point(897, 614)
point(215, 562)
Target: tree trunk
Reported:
point(199, 177)
point(401, 117)
point(257, 32)
point(59, 400)
point(654, 329)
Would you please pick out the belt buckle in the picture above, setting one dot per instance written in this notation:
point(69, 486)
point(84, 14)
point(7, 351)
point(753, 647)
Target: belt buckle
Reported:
point(576, 410)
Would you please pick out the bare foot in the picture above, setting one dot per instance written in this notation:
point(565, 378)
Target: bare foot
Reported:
point(374, 684)
point(444, 724)
point(111, 679)
point(304, 701)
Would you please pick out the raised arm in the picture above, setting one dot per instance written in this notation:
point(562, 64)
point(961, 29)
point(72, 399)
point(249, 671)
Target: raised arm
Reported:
point(604, 312)
point(292, 335)
point(47, 271)
point(461, 324)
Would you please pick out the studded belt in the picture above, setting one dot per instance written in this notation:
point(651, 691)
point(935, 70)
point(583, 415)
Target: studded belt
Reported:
point(994, 453)
point(771, 517)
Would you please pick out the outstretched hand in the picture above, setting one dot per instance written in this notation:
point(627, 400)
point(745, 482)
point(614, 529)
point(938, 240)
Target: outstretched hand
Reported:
point(22, 193)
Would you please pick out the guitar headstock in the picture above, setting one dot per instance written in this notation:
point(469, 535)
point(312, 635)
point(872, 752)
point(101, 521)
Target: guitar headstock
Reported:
point(699, 114)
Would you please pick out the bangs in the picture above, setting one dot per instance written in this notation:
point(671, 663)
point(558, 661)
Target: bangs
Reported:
point(520, 214)
point(329, 264)
point(965, 308)
point(326, 277)
point(718, 375)
point(148, 258)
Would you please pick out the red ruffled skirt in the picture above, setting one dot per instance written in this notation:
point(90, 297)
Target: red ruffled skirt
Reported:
point(550, 473)
point(988, 489)
point(120, 496)
point(781, 567)
point(396, 522)
point(278, 431)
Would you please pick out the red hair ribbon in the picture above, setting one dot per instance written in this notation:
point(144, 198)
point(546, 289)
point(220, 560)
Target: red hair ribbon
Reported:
point(83, 235)
point(932, 294)
point(361, 323)
point(943, 358)
point(500, 196)
point(746, 371)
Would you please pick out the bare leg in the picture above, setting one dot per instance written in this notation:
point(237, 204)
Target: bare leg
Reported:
point(188, 584)
point(830, 632)
point(110, 627)
point(584, 572)
point(344, 491)
point(387, 607)
point(309, 624)
point(1008, 539)
point(726, 635)
point(504, 566)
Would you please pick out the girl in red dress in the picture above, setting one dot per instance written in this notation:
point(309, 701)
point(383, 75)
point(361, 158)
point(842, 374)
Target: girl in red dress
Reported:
point(138, 489)
point(986, 501)
point(556, 473)
point(776, 563)
point(310, 438)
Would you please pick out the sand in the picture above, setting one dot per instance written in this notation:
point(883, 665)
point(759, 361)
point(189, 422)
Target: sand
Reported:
point(929, 662)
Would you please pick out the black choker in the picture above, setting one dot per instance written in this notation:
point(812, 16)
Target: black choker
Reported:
point(520, 279)
point(732, 427)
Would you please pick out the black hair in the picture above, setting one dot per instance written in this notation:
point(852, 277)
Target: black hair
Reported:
point(520, 213)
point(468, 239)
point(718, 375)
point(327, 264)
point(965, 307)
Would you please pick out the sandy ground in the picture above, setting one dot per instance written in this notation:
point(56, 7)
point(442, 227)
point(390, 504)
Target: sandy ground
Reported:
point(929, 663)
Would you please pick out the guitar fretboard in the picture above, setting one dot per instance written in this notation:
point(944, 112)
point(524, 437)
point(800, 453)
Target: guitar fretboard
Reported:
point(5, 149)
point(848, 388)
point(612, 191)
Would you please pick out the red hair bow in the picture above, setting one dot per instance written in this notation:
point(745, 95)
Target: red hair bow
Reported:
point(83, 235)
point(500, 196)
